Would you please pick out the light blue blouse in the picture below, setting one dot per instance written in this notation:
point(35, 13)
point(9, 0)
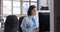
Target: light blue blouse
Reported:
point(27, 24)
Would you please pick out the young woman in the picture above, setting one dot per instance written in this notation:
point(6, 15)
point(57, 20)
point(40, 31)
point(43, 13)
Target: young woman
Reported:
point(29, 22)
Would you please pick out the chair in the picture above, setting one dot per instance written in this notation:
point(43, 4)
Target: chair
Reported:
point(20, 21)
point(11, 24)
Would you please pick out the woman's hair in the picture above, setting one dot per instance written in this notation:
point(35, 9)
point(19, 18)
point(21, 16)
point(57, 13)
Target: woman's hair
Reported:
point(11, 24)
point(30, 9)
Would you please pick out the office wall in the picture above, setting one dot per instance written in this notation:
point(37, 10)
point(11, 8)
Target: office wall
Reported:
point(0, 6)
point(51, 15)
point(0, 16)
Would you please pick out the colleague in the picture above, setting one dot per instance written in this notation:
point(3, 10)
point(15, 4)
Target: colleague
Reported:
point(11, 24)
point(29, 22)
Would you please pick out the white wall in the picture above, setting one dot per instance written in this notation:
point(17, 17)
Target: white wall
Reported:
point(51, 15)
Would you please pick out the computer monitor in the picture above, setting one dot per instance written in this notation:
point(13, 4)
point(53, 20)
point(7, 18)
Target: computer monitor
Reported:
point(44, 21)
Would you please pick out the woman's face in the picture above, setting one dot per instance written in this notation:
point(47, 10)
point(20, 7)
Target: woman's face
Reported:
point(33, 12)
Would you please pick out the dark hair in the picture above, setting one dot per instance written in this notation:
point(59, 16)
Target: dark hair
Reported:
point(30, 9)
point(11, 24)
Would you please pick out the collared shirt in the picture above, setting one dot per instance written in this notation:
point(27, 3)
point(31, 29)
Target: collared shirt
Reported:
point(27, 24)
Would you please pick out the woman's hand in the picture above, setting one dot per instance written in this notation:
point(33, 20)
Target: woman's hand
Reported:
point(36, 29)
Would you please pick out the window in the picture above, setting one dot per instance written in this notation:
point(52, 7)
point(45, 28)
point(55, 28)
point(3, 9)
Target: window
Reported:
point(27, 3)
point(25, 0)
point(16, 7)
point(7, 7)
point(33, 0)
point(34, 4)
point(11, 7)
point(25, 7)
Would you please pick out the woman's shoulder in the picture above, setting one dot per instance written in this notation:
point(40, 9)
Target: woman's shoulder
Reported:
point(26, 17)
